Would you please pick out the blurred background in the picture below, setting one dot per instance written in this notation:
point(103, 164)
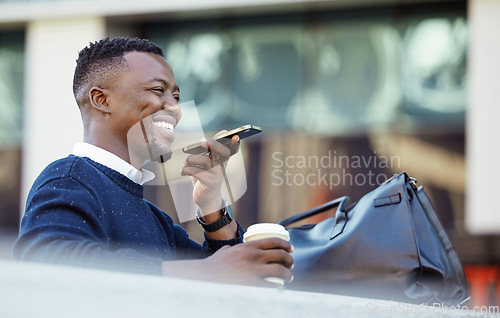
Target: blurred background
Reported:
point(348, 92)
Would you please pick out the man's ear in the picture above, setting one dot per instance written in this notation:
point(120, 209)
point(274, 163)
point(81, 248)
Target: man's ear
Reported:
point(99, 100)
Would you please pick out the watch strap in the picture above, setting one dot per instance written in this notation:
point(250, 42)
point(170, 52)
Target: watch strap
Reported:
point(217, 225)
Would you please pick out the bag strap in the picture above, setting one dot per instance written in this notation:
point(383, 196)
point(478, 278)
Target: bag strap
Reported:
point(340, 202)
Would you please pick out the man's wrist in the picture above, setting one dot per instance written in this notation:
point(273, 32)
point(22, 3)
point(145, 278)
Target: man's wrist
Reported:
point(218, 223)
point(213, 207)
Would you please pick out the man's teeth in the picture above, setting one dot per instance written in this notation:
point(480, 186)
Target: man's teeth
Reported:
point(163, 124)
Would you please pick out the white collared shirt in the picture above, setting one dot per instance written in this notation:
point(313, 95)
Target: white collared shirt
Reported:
point(112, 161)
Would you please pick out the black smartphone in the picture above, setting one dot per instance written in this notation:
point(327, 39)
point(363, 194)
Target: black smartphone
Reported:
point(225, 139)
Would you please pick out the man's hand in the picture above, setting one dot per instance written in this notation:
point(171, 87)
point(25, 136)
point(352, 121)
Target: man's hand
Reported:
point(207, 172)
point(248, 264)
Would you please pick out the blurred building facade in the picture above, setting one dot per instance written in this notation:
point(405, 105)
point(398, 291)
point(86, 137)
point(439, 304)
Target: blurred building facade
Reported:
point(347, 93)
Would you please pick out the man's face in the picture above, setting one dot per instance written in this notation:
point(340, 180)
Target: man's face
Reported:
point(145, 107)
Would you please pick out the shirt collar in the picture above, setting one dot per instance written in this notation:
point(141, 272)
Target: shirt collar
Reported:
point(110, 160)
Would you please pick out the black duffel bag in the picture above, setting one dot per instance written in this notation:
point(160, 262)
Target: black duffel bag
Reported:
point(389, 245)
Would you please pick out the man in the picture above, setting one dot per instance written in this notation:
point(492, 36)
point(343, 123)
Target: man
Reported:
point(88, 209)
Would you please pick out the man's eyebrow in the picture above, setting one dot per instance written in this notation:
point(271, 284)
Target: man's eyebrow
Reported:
point(166, 83)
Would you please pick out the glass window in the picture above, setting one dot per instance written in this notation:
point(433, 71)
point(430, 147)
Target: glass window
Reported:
point(339, 72)
point(11, 123)
point(11, 88)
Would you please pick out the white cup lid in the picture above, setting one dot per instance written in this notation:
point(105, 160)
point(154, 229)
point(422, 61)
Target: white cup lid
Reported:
point(266, 228)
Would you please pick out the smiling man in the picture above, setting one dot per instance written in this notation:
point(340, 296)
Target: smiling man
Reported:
point(88, 209)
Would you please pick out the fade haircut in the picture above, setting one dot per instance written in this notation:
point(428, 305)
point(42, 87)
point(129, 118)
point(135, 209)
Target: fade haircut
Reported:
point(101, 61)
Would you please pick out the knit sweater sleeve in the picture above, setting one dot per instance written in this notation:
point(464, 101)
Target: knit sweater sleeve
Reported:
point(64, 224)
point(212, 246)
point(189, 249)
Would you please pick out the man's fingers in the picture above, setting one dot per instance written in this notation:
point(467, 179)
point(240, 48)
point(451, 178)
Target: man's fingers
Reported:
point(222, 148)
point(252, 262)
point(276, 252)
point(193, 171)
point(235, 144)
point(217, 154)
point(218, 146)
point(207, 177)
point(220, 133)
point(273, 243)
point(278, 270)
point(278, 256)
point(201, 168)
point(201, 161)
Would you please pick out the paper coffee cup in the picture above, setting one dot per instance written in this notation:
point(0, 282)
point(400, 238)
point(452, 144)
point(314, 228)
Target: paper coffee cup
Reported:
point(265, 230)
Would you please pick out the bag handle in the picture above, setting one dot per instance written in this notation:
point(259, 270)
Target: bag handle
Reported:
point(340, 202)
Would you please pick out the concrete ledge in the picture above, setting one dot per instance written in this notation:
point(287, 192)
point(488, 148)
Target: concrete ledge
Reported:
point(39, 290)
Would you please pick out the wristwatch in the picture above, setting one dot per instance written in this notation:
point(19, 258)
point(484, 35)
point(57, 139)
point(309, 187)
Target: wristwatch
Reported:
point(217, 225)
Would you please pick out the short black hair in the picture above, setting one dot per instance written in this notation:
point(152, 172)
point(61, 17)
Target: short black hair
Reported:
point(98, 59)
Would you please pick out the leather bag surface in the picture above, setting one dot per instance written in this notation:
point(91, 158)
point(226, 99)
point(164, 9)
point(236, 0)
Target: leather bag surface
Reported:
point(389, 245)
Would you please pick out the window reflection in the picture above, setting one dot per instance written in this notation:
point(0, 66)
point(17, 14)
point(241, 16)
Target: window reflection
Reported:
point(11, 106)
point(334, 76)
point(434, 74)
point(356, 84)
point(267, 73)
point(199, 58)
point(11, 84)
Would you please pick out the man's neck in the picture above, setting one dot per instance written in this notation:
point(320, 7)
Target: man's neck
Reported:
point(111, 160)
point(114, 146)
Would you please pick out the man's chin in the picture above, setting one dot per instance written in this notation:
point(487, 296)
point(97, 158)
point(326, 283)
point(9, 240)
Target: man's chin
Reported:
point(164, 157)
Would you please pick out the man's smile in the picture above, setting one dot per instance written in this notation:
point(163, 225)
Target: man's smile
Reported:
point(164, 121)
point(161, 133)
point(163, 124)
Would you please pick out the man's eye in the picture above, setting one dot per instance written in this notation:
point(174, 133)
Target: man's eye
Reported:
point(177, 98)
point(159, 89)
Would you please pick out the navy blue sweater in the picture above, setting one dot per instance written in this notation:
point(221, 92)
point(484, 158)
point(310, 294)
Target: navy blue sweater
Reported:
point(82, 213)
